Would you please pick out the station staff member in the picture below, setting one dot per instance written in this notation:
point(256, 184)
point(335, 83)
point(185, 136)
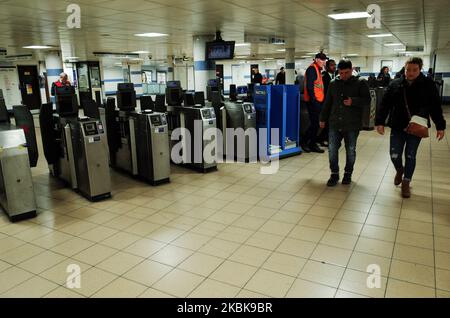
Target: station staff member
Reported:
point(61, 82)
point(314, 96)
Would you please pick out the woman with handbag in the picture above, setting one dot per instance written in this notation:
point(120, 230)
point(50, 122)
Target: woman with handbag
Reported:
point(409, 102)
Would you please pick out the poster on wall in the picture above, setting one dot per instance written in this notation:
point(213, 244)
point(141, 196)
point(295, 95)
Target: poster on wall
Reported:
point(9, 83)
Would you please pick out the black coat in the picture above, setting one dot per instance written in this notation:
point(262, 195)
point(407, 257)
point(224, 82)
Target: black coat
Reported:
point(423, 100)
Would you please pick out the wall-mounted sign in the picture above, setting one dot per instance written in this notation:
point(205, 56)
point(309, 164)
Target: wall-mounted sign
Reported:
point(414, 48)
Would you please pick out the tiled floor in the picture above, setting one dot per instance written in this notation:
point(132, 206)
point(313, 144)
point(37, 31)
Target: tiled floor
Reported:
point(237, 233)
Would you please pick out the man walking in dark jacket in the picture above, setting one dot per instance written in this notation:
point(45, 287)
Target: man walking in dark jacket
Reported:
point(343, 108)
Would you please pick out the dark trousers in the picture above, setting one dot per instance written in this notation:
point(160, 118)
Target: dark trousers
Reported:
point(335, 141)
point(403, 142)
point(314, 110)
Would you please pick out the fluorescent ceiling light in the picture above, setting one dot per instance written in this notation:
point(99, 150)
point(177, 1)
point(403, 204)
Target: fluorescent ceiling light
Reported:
point(352, 54)
point(242, 44)
point(269, 58)
point(400, 49)
point(278, 43)
point(393, 44)
point(306, 56)
point(140, 52)
point(151, 34)
point(241, 56)
point(381, 35)
point(349, 15)
point(37, 47)
point(72, 57)
point(282, 50)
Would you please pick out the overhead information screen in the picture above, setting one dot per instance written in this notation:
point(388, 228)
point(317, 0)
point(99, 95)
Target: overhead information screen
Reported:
point(223, 50)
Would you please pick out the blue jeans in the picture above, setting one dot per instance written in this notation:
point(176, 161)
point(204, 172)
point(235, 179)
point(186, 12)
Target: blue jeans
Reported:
point(335, 141)
point(403, 142)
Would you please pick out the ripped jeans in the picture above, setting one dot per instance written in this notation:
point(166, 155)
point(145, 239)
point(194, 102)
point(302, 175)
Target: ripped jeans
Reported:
point(335, 140)
point(401, 141)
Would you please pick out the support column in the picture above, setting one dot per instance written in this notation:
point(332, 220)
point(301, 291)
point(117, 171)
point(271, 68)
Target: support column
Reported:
point(170, 69)
point(54, 67)
point(203, 70)
point(290, 66)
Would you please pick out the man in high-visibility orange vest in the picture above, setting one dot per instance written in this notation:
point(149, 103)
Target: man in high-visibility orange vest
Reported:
point(314, 96)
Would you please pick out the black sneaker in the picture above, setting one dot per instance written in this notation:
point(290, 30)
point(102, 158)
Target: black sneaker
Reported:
point(333, 181)
point(347, 178)
point(315, 148)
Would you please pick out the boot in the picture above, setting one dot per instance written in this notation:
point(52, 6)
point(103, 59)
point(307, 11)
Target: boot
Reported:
point(347, 178)
point(398, 177)
point(334, 178)
point(406, 191)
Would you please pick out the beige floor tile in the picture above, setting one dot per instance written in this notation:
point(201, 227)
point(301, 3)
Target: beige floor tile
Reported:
point(296, 247)
point(64, 271)
point(331, 255)
point(270, 283)
point(147, 272)
point(385, 210)
point(321, 273)
point(413, 254)
point(307, 233)
point(305, 289)
point(4, 266)
point(375, 247)
point(153, 293)
point(63, 292)
point(10, 243)
point(235, 234)
point(322, 211)
point(249, 294)
point(72, 246)
point(415, 226)
point(442, 294)
point(237, 207)
point(33, 288)
point(120, 288)
point(142, 228)
point(383, 221)
point(443, 279)
point(191, 241)
point(171, 255)
point(98, 234)
point(361, 262)
point(264, 240)
point(442, 260)
point(250, 255)
point(401, 289)
point(12, 277)
point(178, 283)
point(442, 244)
point(351, 216)
point(345, 227)
point(93, 280)
point(52, 239)
point(95, 254)
point(41, 262)
point(315, 221)
point(346, 294)
point(165, 234)
point(120, 240)
point(144, 247)
point(284, 264)
point(249, 222)
point(415, 239)
point(340, 240)
point(119, 263)
point(220, 248)
point(214, 289)
point(232, 273)
point(412, 273)
point(379, 233)
point(441, 230)
point(276, 227)
point(20, 254)
point(356, 282)
point(33, 233)
point(121, 222)
point(201, 264)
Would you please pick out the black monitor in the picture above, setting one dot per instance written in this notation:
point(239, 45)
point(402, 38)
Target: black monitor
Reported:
point(160, 103)
point(147, 103)
point(216, 99)
point(220, 50)
point(189, 99)
point(250, 91)
point(66, 101)
point(126, 96)
point(173, 84)
point(213, 86)
point(200, 98)
point(174, 96)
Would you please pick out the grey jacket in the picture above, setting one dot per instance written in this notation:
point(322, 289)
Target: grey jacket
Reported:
point(339, 116)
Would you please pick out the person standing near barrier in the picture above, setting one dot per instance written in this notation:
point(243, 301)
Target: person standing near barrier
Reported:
point(411, 95)
point(346, 97)
point(328, 75)
point(314, 96)
point(281, 77)
point(61, 82)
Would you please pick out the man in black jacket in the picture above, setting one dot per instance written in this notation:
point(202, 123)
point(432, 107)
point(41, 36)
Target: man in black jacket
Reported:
point(411, 95)
point(346, 97)
point(281, 77)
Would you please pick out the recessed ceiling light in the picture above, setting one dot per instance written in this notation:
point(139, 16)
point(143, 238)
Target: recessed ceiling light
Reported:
point(381, 35)
point(242, 44)
point(278, 43)
point(151, 34)
point(282, 50)
point(349, 15)
point(400, 49)
point(140, 52)
point(37, 47)
point(352, 54)
point(393, 44)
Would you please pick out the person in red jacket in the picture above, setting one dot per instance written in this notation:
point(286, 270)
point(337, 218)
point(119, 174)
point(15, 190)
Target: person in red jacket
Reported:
point(63, 81)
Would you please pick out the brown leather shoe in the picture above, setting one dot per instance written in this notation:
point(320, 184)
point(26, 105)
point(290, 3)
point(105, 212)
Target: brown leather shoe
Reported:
point(398, 177)
point(406, 191)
